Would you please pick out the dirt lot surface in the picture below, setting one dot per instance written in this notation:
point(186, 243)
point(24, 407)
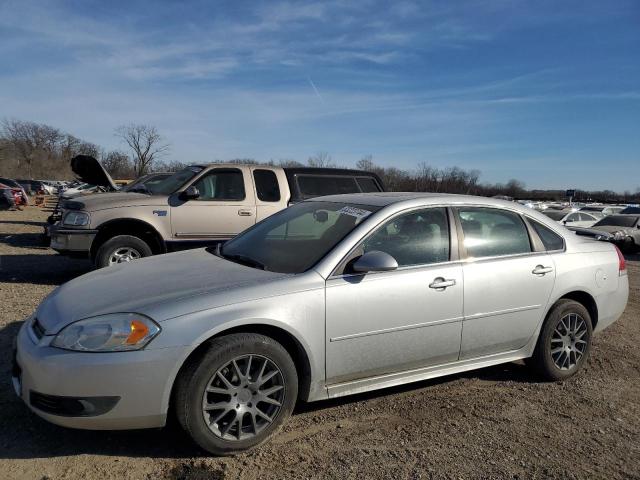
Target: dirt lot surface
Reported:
point(493, 423)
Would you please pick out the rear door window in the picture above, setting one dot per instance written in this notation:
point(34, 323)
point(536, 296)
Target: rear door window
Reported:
point(267, 187)
point(492, 232)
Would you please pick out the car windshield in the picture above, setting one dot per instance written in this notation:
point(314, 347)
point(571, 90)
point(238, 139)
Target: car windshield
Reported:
point(554, 214)
point(175, 181)
point(631, 210)
point(617, 221)
point(295, 239)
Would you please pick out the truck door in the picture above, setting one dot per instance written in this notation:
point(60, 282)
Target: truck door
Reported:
point(226, 206)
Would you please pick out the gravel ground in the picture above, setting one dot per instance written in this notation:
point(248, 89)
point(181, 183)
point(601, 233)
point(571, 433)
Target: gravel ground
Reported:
point(492, 423)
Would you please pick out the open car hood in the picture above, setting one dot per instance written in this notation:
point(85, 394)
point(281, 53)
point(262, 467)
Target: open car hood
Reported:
point(89, 170)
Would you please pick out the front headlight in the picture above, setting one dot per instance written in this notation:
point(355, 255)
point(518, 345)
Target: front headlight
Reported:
point(76, 219)
point(619, 235)
point(115, 332)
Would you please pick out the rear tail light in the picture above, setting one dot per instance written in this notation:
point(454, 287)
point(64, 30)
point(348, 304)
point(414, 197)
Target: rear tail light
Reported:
point(622, 265)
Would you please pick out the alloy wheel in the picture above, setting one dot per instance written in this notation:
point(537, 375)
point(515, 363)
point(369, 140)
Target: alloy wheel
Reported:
point(567, 341)
point(243, 397)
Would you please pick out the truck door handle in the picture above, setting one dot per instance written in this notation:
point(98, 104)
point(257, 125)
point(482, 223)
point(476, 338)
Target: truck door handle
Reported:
point(541, 270)
point(245, 213)
point(442, 283)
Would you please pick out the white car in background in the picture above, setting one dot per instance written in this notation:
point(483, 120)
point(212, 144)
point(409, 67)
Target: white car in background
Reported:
point(580, 219)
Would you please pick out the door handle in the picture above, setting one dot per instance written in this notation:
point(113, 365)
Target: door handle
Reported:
point(541, 270)
point(442, 283)
point(245, 213)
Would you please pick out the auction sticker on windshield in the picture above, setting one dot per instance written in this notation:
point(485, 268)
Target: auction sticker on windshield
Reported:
point(354, 212)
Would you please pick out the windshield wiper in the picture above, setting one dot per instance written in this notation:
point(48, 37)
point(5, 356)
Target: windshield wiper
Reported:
point(244, 260)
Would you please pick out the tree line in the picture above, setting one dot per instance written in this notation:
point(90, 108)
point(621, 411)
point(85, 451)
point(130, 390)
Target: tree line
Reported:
point(31, 150)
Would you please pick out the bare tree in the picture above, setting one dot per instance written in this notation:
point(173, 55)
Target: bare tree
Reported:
point(147, 145)
point(171, 166)
point(118, 164)
point(321, 160)
point(366, 163)
point(29, 141)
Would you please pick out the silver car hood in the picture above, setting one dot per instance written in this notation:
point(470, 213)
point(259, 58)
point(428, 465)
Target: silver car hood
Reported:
point(145, 285)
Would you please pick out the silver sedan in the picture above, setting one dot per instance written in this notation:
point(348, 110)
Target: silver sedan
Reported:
point(330, 297)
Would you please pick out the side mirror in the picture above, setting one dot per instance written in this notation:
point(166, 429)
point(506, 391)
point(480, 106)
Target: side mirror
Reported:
point(375, 261)
point(564, 222)
point(190, 193)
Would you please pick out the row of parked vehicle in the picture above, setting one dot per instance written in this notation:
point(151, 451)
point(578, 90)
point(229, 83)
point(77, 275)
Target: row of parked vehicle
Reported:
point(619, 224)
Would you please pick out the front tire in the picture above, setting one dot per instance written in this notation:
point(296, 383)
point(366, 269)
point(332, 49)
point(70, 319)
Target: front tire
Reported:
point(121, 249)
point(237, 394)
point(564, 342)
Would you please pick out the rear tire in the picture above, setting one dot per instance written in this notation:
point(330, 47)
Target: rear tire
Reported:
point(121, 249)
point(222, 397)
point(564, 342)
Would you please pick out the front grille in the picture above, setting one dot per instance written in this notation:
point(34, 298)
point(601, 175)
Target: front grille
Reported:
point(38, 329)
point(72, 406)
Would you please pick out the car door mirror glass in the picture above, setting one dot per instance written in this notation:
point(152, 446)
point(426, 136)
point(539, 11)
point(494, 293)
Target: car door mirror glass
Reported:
point(190, 193)
point(374, 261)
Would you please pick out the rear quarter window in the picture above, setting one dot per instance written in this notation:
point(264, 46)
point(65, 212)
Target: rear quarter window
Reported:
point(550, 239)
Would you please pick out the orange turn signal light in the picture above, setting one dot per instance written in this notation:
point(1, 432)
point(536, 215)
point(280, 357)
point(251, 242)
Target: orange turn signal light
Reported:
point(138, 331)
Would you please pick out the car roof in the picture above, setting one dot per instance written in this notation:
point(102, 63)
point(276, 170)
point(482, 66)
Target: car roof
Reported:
point(382, 199)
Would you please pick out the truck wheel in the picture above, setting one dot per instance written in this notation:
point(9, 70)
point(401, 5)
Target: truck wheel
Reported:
point(564, 342)
point(121, 249)
point(237, 394)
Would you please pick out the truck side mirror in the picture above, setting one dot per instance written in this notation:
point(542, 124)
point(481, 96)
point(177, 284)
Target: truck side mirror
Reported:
point(190, 193)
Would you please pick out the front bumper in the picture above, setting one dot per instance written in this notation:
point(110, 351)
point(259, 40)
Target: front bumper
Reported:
point(71, 241)
point(120, 390)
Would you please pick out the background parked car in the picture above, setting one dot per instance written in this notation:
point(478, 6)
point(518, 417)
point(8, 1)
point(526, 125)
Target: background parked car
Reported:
point(145, 182)
point(7, 200)
point(580, 218)
point(15, 185)
point(622, 229)
point(603, 209)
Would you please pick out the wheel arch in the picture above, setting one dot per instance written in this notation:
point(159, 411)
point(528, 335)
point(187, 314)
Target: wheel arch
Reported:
point(129, 226)
point(287, 339)
point(582, 297)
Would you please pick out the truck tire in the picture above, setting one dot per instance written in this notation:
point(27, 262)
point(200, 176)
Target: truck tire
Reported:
point(237, 394)
point(121, 249)
point(564, 342)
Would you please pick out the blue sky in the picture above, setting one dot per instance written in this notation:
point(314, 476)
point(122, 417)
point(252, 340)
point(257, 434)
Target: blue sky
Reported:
point(544, 91)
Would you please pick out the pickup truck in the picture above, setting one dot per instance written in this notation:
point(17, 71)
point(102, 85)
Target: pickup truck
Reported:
point(197, 206)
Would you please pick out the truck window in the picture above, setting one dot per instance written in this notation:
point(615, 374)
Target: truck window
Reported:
point(267, 186)
point(367, 184)
point(320, 185)
point(221, 184)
